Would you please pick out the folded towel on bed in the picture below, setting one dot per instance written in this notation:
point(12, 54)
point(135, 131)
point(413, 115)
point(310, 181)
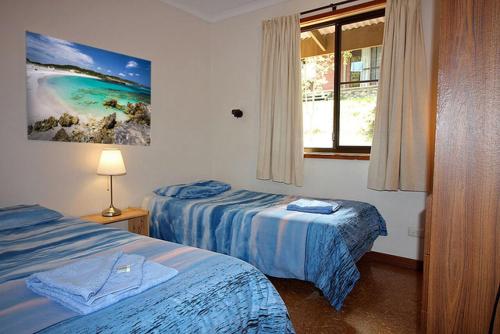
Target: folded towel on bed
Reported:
point(26, 215)
point(313, 206)
point(200, 189)
point(91, 284)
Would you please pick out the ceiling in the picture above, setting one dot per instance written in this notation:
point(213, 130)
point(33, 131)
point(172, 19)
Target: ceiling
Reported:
point(216, 10)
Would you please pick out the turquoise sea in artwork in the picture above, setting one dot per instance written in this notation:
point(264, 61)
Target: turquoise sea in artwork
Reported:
point(86, 96)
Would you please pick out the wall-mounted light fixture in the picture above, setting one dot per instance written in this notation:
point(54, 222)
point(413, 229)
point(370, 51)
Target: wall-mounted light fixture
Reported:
point(237, 113)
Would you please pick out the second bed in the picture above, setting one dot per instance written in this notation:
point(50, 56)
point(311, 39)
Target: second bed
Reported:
point(257, 228)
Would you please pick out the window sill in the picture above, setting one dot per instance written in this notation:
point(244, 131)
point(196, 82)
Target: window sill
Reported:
point(337, 156)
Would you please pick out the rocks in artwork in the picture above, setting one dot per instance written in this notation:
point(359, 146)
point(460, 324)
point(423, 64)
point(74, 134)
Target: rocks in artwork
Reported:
point(106, 130)
point(67, 120)
point(61, 135)
point(45, 125)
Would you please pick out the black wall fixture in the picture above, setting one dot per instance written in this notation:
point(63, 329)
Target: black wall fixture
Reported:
point(237, 113)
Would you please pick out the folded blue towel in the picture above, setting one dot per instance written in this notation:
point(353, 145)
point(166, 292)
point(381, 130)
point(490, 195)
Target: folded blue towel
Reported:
point(200, 189)
point(26, 215)
point(313, 206)
point(91, 284)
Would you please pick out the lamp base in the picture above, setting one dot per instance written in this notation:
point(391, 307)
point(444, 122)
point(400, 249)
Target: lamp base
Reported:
point(111, 212)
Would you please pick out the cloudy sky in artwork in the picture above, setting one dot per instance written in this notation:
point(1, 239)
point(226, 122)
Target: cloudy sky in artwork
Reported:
point(49, 50)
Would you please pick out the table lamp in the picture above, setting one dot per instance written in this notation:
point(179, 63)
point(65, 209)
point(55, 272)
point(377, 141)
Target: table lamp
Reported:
point(111, 164)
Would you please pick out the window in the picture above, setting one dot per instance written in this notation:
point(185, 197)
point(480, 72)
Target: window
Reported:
point(340, 92)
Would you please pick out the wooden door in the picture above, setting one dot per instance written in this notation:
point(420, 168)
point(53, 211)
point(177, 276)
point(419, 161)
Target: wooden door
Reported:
point(464, 264)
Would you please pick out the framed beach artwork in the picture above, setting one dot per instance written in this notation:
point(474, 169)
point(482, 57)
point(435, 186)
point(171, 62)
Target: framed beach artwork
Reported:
point(78, 93)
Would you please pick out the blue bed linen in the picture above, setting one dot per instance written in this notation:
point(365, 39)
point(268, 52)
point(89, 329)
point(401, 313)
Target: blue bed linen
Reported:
point(257, 228)
point(211, 293)
point(26, 215)
point(276, 243)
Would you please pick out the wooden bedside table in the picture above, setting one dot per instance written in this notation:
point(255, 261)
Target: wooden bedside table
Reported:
point(137, 220)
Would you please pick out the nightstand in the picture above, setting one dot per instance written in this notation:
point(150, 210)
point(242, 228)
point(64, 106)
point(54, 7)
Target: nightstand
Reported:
point(137, 220)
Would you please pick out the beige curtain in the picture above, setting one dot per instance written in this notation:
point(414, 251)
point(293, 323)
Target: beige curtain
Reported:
point(281, 151)
point(400, 148)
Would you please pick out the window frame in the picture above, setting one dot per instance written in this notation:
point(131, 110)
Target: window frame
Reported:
point(338, 23)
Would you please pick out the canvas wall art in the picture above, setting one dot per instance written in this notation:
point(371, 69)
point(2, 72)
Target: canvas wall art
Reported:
point(78, 93)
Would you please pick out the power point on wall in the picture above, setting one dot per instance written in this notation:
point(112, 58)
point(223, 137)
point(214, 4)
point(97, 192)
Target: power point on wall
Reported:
point(415, 232)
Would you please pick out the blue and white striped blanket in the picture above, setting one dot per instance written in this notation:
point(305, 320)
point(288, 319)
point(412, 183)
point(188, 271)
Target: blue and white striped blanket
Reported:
point(212, 293)
point(257, 228)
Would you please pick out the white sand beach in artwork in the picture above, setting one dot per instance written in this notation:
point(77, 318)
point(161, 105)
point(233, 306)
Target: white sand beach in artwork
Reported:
point(42, 101)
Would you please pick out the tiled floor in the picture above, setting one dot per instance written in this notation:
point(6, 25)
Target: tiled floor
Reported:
point(385, 300)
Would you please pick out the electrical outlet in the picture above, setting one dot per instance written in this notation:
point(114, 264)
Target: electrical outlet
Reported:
point(415, 232)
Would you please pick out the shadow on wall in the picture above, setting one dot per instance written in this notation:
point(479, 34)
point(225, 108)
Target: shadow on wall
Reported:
point(421, 226)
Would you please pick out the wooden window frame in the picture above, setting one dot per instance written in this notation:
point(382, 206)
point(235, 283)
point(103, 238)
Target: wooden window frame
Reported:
point(338, 23)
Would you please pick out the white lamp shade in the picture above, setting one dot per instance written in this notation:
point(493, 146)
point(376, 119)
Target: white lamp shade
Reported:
point(111, 163)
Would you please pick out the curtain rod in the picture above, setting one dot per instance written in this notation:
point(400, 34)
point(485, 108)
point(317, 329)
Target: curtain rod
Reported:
point(333, 6)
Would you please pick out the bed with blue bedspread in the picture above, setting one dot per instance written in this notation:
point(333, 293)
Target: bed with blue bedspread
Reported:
point(257, 228)
point(211, 293)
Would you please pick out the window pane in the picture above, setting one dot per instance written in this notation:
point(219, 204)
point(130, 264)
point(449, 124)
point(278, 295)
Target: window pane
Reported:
point(360, 71)
point(361, 50)
point(357, 113)
point(317, 86)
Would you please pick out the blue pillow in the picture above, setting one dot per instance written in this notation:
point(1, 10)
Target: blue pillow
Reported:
point(200, 189)
point(26, 215)
point(170, 191)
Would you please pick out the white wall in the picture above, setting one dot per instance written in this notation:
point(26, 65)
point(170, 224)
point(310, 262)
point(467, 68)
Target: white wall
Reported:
point(62, 175)
point(234, 83)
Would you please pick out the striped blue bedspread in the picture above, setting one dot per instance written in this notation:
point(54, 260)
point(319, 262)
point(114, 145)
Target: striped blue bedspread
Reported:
point(257, 228)
point(212, 293)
